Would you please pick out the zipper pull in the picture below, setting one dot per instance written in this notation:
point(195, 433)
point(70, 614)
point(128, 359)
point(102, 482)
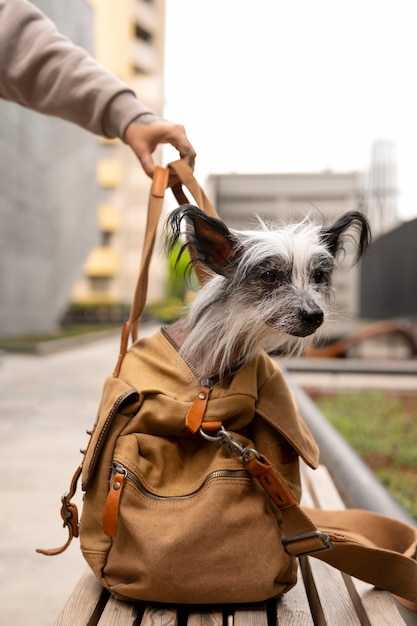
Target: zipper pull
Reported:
point(111, 506)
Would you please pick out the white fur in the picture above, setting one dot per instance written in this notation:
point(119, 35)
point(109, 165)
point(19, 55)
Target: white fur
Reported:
point(233, 318)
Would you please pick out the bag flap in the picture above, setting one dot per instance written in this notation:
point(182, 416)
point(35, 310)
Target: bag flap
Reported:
point(119, 400)
point(258, 388)
point(276, 404)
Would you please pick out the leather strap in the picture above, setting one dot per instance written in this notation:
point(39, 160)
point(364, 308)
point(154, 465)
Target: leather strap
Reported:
point(372, 547)
point(184, 175)
point(69, 514)
point(156, 200)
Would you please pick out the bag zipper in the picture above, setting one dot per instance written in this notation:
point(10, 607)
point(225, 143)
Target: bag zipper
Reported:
point(174, 344)
point(122, 474)
point(118, 468)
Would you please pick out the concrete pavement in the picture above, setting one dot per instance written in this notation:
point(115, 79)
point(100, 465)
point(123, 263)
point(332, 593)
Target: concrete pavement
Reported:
point(46, 405)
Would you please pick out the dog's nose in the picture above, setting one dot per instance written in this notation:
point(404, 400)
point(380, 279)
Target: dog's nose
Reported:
point(313, 316)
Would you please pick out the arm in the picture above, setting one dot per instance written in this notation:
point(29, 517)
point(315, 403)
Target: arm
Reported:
point(44, 71)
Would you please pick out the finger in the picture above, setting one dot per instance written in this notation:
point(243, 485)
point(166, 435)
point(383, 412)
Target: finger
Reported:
point(188, 153)
point(148, 164)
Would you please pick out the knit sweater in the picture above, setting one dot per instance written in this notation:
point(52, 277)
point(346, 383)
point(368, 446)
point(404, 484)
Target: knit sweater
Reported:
point(42, 70)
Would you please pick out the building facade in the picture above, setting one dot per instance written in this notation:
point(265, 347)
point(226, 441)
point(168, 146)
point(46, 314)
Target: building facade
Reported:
point(72, 205)
point(389, 275)
point(129, 41)
point(47, 200)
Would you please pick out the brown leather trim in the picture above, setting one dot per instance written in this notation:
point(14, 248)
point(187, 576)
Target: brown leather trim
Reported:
point(195, 415)
point(111, 506)
point(69, 514)
point(270, 479)
point(160, 181)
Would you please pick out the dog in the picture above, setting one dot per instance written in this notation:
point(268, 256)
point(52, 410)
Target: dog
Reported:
point(265, 289)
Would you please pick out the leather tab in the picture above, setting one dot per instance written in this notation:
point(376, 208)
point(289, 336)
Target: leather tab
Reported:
point(195, 415)
point(211, 427)
point(273, 483)
point(160, 181)
point(111, 507)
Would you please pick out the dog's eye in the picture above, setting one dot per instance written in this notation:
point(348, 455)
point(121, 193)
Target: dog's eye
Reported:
point(269, 277)
point(319, 277)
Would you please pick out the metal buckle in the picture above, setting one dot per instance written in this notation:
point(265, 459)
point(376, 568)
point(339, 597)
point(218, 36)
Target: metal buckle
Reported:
point(328, 545)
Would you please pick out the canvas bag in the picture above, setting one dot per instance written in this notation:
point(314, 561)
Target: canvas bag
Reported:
point(170, 516)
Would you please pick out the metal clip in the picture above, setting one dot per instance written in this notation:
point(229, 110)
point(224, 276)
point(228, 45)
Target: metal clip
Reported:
point(327, 542)
point(226, 439)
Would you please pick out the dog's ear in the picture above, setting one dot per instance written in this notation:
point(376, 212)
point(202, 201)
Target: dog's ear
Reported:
point(335, 235)
point(210, 241)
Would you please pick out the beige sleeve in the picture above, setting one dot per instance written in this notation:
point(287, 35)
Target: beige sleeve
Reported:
point(43, 70)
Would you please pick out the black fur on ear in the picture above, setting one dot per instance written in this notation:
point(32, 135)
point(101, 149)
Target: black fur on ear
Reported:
point(210, 241)
point(334, 236)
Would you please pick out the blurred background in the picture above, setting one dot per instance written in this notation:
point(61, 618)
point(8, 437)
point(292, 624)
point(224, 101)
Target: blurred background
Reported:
point(294, 109)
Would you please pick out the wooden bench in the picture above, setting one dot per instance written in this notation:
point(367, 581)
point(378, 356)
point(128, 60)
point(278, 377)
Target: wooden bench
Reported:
point(323, 596)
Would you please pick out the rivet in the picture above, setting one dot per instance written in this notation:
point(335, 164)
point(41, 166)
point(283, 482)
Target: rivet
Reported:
point(116, 485)
point(202, 396)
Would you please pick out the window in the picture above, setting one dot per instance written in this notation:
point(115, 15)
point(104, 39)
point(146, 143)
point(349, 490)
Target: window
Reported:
point(143, 34)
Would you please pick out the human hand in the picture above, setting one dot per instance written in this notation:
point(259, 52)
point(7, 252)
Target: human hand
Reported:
point(147, 131)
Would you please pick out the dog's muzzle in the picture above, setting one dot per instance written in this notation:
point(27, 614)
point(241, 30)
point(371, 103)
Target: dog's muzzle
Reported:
point(311, 318)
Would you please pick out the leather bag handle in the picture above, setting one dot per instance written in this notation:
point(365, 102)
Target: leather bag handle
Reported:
point(156, 200)
point(183, 176)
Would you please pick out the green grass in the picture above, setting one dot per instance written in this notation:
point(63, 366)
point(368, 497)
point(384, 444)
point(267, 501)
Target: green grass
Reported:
point(382, 428)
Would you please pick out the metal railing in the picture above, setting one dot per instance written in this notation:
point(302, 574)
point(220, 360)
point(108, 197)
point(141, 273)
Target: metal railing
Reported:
point(356, 483)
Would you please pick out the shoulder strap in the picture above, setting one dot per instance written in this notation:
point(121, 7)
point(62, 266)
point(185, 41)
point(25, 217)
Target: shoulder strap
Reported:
point(372, 547)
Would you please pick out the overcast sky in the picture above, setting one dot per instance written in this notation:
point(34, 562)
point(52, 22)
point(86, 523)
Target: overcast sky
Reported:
point(295, 85)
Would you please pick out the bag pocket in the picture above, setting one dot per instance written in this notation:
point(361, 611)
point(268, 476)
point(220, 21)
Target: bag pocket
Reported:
point(220, 543)
point(119, 403)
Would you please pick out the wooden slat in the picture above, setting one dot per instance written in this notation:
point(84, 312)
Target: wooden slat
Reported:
point(118, 613)
point(205, 616)
point(329, 591)
point(294, 609)
point(250, 614)
point(372, 606)
point(85, 603)
point(334, 597)
point(158, 615)
point(319, 484)
point(380, 606)
point(306, 493)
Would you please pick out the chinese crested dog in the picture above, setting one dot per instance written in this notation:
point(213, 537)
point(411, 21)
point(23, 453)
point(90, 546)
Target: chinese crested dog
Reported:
point(264, 289)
